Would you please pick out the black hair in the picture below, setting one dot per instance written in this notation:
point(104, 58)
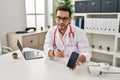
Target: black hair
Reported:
point(64, 8)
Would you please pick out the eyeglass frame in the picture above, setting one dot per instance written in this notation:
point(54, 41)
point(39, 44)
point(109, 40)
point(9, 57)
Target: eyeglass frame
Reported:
point(64, 19)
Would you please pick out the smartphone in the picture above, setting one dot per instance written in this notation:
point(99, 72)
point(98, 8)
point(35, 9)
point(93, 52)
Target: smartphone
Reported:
point(72, 60)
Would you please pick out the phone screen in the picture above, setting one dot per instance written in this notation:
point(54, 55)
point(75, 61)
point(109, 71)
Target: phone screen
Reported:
point(72, 60)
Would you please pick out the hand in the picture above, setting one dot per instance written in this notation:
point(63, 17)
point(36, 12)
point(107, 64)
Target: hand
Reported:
point(77, 64)
point(80, 60)
point(58, 53)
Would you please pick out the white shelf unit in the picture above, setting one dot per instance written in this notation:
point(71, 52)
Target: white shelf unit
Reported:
point(117, 55)
point(102, 30)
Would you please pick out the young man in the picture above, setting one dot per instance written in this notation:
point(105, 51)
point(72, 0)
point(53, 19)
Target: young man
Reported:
point(63, 39)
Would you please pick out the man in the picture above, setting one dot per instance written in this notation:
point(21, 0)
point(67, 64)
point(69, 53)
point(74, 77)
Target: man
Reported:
point(64, 38)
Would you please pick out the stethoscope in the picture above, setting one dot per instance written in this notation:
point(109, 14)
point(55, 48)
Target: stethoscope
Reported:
point(71, 35)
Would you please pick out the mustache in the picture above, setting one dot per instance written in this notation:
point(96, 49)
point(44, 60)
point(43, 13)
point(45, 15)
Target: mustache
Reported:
point(61, 24)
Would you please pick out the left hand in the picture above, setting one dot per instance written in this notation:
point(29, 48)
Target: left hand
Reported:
point(80, 60)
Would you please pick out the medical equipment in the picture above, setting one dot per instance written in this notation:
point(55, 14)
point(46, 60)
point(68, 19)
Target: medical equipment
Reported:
point(71, 34)
point(99, 69)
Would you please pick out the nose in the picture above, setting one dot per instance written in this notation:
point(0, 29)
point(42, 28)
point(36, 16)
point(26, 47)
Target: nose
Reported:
point(61, 21)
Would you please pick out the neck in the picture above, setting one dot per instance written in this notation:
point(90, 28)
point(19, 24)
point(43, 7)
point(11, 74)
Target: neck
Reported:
point(63, 31)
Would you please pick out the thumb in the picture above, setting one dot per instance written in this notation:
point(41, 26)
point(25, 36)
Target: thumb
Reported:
point(78, 63)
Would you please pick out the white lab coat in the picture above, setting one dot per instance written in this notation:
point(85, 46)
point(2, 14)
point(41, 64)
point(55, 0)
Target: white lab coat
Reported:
point(78, 43)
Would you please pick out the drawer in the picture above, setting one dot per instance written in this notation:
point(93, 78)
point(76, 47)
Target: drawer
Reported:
point(41, 47)
point(109, 6)
point(93, 6)
point(30, 41)
point(42, 37)
point(80, 6)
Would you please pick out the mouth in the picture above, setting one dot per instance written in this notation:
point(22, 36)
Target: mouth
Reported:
point(61, 26)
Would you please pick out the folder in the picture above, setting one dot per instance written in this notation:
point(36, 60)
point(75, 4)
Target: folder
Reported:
point(100, 24)
point(89, 24)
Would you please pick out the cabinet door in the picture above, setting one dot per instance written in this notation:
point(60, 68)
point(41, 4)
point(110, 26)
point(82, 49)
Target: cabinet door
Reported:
point(42, 40)
point(109, 6)
point(30, 41)
point(119, 6)
point(93, 5)
point(80, 6)
point(42, 37)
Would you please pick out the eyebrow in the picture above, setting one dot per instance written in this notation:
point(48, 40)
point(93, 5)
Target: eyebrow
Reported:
point(61, 17)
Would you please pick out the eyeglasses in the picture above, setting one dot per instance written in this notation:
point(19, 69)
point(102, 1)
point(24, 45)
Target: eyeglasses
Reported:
point(64, 19)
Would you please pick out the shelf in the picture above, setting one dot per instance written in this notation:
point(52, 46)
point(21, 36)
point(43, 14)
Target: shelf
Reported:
point(118, 51)
point(102, 30)
point(102, 13)
point(102, 51)
point(118, 35)
point(117, 55)
point(103, 33)
point(79, 14)
point(117, 60)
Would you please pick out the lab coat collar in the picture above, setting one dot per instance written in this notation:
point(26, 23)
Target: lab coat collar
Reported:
point(59, 36)
point(67, 32)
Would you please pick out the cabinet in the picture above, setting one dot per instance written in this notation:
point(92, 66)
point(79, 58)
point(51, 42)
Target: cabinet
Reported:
point(95, 6)
point(33, 40)
point(80, 6)
point(109, 6)
point(102, 30)
point(119, 6)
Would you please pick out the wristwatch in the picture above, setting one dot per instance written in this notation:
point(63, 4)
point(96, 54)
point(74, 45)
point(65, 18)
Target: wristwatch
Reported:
point(53, 53)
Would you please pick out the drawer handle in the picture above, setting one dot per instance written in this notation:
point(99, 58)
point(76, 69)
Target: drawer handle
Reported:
point(31, 41)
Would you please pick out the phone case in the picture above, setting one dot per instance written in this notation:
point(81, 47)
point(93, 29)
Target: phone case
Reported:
point(72, 60)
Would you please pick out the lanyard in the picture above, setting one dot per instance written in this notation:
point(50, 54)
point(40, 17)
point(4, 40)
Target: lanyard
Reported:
point(71, 34)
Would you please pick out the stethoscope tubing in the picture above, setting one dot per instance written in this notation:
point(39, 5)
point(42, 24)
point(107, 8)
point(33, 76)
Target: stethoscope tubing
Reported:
point(71, 32)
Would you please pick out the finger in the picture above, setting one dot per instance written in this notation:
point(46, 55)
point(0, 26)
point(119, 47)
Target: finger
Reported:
point(60, 55)
point(71, 69)
point(58, 49)
point(56, 52)
point(78, 63)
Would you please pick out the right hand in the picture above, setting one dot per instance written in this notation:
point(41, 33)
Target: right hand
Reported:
point(59, 53)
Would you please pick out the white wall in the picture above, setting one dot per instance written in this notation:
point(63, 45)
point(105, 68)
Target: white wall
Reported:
point(12, 17)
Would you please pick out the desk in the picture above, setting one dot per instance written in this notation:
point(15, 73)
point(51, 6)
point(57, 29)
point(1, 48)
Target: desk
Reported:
point(45, 69)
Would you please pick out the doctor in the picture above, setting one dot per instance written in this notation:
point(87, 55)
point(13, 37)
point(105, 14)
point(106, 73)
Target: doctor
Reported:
point(63, 39)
